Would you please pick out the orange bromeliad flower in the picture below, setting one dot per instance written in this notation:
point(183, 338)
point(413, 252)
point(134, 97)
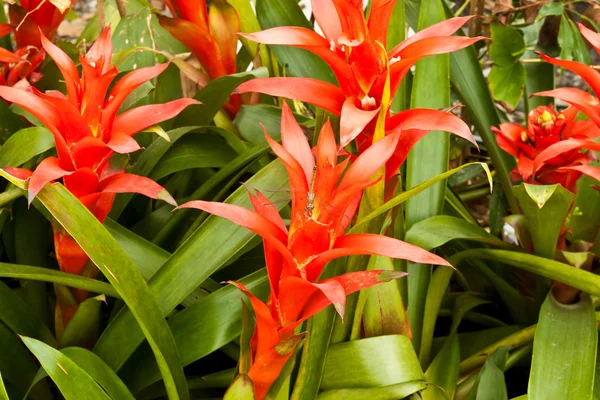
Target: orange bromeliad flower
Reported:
point(550, 151)
point(87, 132)
point(355, 49)
point(325, 196)
point(208, 33)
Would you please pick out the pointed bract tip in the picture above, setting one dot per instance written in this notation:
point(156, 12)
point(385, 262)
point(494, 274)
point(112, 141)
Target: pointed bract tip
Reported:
point(386, 276)
point(165, 196)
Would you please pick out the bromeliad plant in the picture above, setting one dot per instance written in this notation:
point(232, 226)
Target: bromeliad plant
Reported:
point(323, 205)
point(87, 132)
point(379, 191)
point(355, 49)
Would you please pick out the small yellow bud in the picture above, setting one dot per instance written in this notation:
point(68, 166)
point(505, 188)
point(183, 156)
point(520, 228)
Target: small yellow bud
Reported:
point(524, 137)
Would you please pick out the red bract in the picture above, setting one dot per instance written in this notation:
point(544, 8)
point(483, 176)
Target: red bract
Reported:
point(548, 150)
point(19, 69)
point(210, 35)
point(32, 16)
point(87, 129)
point(354, 48)
point(323, 203)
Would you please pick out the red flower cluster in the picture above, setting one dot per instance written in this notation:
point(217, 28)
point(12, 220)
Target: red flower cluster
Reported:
point(354, 48)
point(27, 20)
point(535, 146)
point(323, 204)
point(549, 151)
point(87, 132)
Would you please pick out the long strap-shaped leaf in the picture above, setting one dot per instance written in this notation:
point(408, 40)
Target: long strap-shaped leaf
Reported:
point(428, 158)
point(74, 383)
point(467, 79)
point(580, 279)
point(104, 251)
point(29, 273)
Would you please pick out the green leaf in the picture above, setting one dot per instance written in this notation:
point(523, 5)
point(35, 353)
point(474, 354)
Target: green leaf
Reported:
point(211, 246)
point(490, 384)
point(572, 46)
point(48, 275)
point(18, 367)
point(438, 285)
point(564, 351)
point(442, 374)
point(83, 328)
point(11, 122)
point(134, 31)
point(296, 62)
point(241, 389)
point(249, 119)
point(402, 197)
point(427, 159)
point(552, 8)
point(24, 145)
point(540, 77)
point(99, 371)
point(74, 383)
point(3, 394)
point(507, 44)
point(104, 251)
point(582, 280)
point(21, 318)
point(545, 208)
point(194, 151)
point(213, 96)
point(584, 221)
point(384, 312)
point(146, 163)
point(397, 391)
point(372, 362)
point(440, 229)
point(507, 83)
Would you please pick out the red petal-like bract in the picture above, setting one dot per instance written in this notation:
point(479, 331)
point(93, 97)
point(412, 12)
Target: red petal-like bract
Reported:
point(313, 91)
point(323, 193)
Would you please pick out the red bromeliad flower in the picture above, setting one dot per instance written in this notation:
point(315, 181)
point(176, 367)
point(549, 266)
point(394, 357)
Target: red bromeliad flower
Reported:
point(33, 16)
point(323, 204)
point(19, 69)
point(209, 33)
point(557, 157)
point(355, 49)
point(536, 147)
point(87, 131)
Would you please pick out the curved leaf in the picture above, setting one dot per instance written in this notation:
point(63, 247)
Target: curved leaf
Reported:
point(373, 362)
point(99, 371)
point(24, 145)
point(104, 251)
point(48, 275)
point(438, 230)
point(74, 383)
point(580, 279)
